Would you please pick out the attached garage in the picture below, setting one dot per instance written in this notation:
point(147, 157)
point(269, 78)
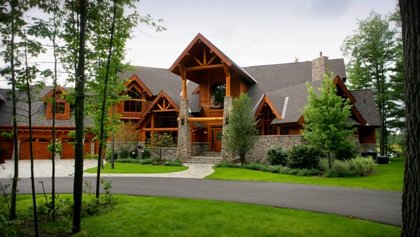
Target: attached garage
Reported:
point(68, 149)
point(39, 147)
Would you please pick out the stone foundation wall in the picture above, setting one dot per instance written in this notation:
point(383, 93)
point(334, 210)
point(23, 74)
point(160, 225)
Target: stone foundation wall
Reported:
point(169, 153)
point(199, 148)
point(259, 152)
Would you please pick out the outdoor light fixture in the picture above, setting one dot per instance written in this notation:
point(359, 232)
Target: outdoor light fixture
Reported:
point(182, 119)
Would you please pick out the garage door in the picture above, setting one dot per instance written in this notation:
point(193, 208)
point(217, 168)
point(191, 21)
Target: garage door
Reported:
point(39, 148)
point(68, 149)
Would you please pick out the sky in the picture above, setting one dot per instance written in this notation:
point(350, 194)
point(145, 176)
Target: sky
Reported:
point(250, 32)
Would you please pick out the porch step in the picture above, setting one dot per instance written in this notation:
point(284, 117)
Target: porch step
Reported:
point(211, 154)
point(204, 160)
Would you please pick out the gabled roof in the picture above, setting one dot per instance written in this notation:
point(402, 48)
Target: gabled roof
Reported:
point(50, 93)
point(195, 48)
point(279, 76)
point(38, 110)
point(278, 100)
point(366, 105)
point(161, 95)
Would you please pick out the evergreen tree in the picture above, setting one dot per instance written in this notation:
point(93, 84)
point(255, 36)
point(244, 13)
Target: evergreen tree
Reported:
point(372, 50)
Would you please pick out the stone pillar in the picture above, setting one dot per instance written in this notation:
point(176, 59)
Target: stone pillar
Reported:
point(184, 143)
point(227, 109)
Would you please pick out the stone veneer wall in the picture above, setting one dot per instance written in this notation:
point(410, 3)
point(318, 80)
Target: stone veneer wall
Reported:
point(184, 146)
point(170, 153)
point(259, 152)
point(227, 109)
point(199, 148)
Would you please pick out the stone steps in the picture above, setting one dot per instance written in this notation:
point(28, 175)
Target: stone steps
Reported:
point(204, 160)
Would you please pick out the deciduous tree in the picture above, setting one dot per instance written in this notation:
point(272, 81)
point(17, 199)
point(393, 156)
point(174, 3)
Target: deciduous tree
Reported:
point(326, 126)
point(240, 134)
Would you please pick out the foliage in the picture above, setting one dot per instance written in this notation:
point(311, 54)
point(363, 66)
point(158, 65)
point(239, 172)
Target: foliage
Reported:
point(361, 165)
point(326, 116)
point(158, 144)
point(332, 173)
point(373, 50)
point(255, 166)
point(323, 164)
point(126, 138)
point(173, 163)
point(393, 173)
point(225, 164)
point(128, 160)
point(276, 156)
point(58, 147)
point(145, 154)
point(239, 136)
point(304, 157)
point(347, 152)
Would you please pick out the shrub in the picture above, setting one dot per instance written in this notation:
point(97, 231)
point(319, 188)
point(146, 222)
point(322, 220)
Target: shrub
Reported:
point(336, 174)
point(134, 154)
point(276, 169)
point(294, 171)
point(145, 154)
point(173, 163)
point(225, 164)
point(361, 165)
point(314, 172)
point(323, 164)
point(346, 153)
point(303, 172)
point(340, 166)
point(276, 156)
point(255, 166)
point(127, 160)
point(145, 161)
point(304, 157)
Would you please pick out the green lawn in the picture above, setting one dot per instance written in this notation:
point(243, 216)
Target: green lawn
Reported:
point(388, 177)
point(156, 216)
point(127, 168)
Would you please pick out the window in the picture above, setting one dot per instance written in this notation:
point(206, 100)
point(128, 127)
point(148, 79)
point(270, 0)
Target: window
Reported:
point(217, 95)
point(268, 118)
point(135, 104)
point(132, 106)
point(60, 107)
point(166, 120)
point(284, 131)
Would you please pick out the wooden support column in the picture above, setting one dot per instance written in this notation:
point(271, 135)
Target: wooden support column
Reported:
point(227, 74)
point(184, 81)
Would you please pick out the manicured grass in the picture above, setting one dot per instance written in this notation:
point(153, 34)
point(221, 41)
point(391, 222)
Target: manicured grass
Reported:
point(153, 216)
point(129, 168)
point(389, 177)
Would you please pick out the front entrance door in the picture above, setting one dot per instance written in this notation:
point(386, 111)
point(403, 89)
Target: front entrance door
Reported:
point(216, 139)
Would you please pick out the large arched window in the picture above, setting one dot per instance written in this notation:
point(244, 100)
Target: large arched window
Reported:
point(217, 95)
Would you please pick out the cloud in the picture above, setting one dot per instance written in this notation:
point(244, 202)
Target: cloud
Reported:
point(321, 9)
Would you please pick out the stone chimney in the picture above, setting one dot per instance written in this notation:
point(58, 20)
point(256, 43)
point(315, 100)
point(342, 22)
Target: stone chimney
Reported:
point(319, 67)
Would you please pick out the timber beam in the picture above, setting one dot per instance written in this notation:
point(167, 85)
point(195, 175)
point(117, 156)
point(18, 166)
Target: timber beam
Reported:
point(204, 119)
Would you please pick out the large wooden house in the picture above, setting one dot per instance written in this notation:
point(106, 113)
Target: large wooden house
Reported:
point(193, 99)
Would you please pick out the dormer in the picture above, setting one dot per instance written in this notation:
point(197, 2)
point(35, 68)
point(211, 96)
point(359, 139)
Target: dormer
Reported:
point(62, 108)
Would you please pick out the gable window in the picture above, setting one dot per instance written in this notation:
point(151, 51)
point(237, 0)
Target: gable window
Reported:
point(60, 107)
point(217, 95)
point(267, 119)
point(136, 102)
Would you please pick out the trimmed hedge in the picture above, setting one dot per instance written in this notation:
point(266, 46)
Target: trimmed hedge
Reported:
point(304, 157)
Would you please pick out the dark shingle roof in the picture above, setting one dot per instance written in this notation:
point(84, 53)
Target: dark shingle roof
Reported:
point(366, 105)
point(38, 110)
point(281, 76)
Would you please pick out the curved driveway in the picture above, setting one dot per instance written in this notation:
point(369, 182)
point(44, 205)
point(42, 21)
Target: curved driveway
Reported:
point(378, 206)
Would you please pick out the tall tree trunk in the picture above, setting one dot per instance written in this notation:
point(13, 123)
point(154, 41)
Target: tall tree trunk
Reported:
point(79, 116)
point(102, 137)
point(54, 104)
point(113, 138)
point(28, 94)
point(410, 16)
point(15, 127)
